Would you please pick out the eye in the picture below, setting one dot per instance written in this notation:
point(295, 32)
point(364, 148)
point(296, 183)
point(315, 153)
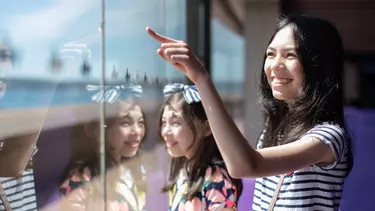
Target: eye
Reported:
point(125, 123)
point(176, 124)
point(270, 54)
point(141, 123)
point(291, 55)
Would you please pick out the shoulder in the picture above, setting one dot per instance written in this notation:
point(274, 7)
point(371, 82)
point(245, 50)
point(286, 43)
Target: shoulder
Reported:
point(218, 187)
point(217, 177)
point(328, 127)
point(329, 133)
point(216, 170)
point(80, 175)
point(336, 137)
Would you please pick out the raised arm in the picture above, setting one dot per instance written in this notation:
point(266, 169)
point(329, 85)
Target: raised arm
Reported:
point(241, 159)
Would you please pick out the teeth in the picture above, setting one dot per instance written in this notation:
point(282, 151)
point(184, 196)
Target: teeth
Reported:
point(281, 80)
point(133, 144)
point(170, 144)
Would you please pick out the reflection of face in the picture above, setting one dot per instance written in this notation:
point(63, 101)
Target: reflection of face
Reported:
point(176, 133)
point(282, 66)
point(125, 133)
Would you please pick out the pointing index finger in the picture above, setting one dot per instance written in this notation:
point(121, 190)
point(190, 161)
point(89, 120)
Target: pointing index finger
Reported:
point(158, 37)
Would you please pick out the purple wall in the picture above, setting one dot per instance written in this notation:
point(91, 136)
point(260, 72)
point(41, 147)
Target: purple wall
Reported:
point(359, 188)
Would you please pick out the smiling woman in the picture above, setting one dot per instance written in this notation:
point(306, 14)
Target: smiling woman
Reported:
point(198, 179)
point(125, 131)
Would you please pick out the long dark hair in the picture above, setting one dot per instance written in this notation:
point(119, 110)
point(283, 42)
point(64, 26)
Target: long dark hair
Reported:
point(320, 51)
point(85, 150)
point(196, 167)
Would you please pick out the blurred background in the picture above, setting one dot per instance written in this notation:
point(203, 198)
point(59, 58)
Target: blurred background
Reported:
point(50, 51)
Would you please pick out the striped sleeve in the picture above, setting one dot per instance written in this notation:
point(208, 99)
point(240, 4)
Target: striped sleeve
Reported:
point(334, 136)
point(20, 192)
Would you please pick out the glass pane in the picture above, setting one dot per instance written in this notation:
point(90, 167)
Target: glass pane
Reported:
point(45, 51)
point(227, 60)
point(131, 132)
point(50, 69)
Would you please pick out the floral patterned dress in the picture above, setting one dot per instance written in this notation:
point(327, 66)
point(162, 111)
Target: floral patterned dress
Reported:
point(81, 195)
point(217, 192)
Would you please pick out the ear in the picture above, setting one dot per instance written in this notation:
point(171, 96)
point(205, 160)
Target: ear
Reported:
point(207, 129)
point(92, 130)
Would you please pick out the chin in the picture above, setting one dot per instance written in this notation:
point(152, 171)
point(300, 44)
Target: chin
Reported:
point(280, 96)
point(174, 154)
point(130, 154)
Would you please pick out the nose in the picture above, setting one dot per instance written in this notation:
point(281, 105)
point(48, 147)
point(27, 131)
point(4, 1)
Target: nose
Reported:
point(165, 130)
point(277, 64)
point(136, 130)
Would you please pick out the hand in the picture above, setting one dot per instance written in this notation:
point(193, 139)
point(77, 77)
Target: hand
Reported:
point(179, 55)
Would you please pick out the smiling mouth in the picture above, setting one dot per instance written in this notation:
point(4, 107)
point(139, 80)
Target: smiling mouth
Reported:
point(170, 144)
point(280, 81)
point(133, 145)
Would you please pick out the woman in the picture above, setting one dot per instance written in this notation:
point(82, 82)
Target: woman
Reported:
point(304, 152)
point(125, 131)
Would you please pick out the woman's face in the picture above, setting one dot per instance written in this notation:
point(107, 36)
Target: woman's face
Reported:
point(125, 133)
point(177, 134)
point(282, 66)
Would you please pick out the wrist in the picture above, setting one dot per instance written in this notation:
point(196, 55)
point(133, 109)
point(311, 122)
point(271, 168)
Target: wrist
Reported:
point(203, 78)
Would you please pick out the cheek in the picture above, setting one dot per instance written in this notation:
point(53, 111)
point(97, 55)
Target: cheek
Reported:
point(297, 73)
point(267, 71)
point(178, 133)
point(116, 135)
point(185, 138)
point(180, 136)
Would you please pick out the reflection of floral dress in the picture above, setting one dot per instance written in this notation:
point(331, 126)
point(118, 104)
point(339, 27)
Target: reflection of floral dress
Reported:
point(124, 195)
point(217, 192)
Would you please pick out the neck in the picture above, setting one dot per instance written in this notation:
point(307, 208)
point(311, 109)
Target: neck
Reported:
point(113, 159)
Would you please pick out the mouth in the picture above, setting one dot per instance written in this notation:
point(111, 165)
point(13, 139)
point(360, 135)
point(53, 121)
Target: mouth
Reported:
point(279, 81)
point(133, 144)
point(170, 144)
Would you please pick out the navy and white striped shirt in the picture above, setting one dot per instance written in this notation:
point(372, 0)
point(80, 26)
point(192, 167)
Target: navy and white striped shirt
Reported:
point(314, 187)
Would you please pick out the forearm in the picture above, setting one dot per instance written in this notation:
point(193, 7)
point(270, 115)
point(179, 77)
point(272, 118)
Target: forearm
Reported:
point(237, 153)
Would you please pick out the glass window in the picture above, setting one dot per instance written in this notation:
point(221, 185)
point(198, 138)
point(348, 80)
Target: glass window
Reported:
point(50, 51)
point(227, 56)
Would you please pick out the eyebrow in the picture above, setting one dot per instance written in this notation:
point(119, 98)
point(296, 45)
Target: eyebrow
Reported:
point(174, 116)
point(284, 49)
point(126, 115)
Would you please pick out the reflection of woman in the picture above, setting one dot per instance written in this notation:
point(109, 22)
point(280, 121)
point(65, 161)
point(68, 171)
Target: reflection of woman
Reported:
point(125, 130)
point(17, 191)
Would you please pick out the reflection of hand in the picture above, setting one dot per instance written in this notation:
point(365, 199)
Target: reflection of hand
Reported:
point(179, 55)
